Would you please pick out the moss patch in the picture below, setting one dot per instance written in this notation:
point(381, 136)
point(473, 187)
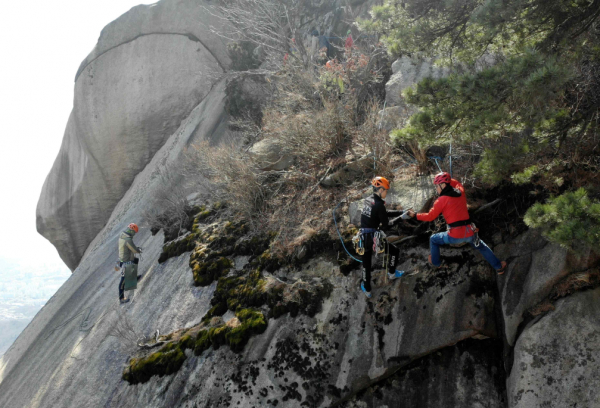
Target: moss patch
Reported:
point(167, 360)
point(300, 298)
point(249, 294)
point(175, 246)
point(209, 259)
point(252, 322)
point(206, 272)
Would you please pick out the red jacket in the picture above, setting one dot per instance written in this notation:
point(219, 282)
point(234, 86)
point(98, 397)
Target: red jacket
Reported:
point(453, 209)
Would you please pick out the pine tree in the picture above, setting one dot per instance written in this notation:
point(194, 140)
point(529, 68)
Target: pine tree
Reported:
point(571, 220)
point(538, 97)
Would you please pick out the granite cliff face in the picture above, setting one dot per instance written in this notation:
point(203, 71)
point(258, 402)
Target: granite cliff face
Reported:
point(150, 68)
point(461, 337)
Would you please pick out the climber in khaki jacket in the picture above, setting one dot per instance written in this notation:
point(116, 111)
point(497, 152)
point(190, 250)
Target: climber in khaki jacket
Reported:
point(127, 249)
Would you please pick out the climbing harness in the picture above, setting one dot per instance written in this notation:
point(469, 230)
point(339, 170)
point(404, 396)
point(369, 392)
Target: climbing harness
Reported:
point(467, 223)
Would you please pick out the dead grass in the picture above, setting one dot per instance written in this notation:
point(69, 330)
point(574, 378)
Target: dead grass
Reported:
point(544, 307)
point(576, 282)
point(571, 284)
point(324, 127)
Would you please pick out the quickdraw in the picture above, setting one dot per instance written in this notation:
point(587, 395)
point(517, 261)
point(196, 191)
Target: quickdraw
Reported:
point(476, 239)
point(359, 244)
point(379, 242)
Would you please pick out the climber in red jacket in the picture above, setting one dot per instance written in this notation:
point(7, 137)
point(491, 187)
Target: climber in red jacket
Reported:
point(452, 204)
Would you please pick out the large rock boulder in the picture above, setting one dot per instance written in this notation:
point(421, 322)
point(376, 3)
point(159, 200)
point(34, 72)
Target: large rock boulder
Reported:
point(535, 267)
point(556, 361)
point(268, 154)
point(407, 72)
point(349, 172)
point(150, 68)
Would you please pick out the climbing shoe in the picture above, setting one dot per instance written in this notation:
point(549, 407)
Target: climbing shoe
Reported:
point(395, 275)
point(431, 263)
point(367, 294)
point(502, 269)
point(124, 300)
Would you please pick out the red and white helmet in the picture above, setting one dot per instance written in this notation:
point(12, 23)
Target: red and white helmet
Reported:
point(442, 177)
point(134, 227)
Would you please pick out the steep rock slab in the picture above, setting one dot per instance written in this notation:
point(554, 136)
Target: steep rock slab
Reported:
point(68, 356)
point(148, 71)
point(556, 361)
point(535, 266)
point(353, 342)
point(467, 375)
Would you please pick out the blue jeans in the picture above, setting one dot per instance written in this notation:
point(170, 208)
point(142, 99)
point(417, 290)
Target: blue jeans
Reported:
point(443, 238)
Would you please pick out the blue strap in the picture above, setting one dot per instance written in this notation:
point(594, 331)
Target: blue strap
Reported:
point(436, 158)
point(340, 235)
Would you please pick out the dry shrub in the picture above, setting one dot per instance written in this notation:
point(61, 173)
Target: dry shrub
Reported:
point(124, 330)
point(169, 209)
point(323, 129)
point(576, 282)
point(234, 177)
point(370, 138)
point(573, 283)
point(311, 136)
point(306, 233)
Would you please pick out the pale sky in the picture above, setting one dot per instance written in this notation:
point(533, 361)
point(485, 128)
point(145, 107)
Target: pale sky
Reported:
point(42, 44)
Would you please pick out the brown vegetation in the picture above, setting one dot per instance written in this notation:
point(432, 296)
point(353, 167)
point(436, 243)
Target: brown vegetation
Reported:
point(323, 120)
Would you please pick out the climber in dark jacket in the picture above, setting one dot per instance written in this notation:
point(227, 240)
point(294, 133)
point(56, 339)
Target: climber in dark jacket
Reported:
point(373, 216)
point(127, 249)
point(452, 204)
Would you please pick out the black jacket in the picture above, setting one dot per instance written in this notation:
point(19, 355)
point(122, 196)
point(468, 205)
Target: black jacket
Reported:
point(374, 213)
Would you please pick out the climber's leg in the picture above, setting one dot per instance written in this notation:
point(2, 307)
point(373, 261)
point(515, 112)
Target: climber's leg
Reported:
point(435, 241)
point(489, 255)
point(366, 270)
point(366, 266)
point(393, 254)
point(122, 288)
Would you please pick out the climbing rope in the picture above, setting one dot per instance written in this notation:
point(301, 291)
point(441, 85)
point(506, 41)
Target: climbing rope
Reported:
point(340, 235)
point(436, 158)
point(450, 155)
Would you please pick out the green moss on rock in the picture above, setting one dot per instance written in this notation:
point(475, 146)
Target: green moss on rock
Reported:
point(167, 360)
point(206, 272)
point(252, 322)
point(202, 342)
point(217, 310)
point(241, 291)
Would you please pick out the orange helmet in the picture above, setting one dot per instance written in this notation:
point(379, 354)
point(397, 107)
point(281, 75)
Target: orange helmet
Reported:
point(378, 182)
point(134, 227)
